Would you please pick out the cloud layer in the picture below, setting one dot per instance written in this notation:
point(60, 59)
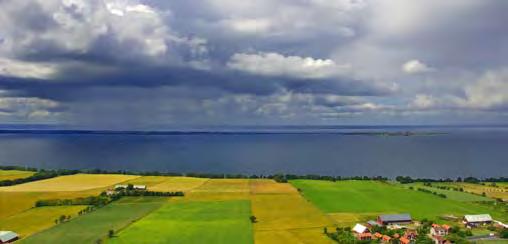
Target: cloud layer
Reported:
point(154, 63)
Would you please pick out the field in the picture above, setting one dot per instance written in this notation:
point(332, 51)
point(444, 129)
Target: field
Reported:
point(78, 182)
point(376, 197)
point(165, 183)
point(12, 203)
point(451, 194)
point(193, 222)
point(283, 216)
point(92, 226)
point(37, 219)
point(495, 192)
point(14, 174)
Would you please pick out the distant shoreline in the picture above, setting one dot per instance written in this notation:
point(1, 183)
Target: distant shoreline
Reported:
point(112, 132)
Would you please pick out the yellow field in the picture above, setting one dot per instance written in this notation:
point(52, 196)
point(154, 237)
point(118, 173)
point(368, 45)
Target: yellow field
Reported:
point(179, 184)
point(490, 191)
point(37, 219)
point(265, 186)
point(14, 174)
point(78, 182)
point(224, 185)
point(283, 216)
point(12, 203)
point(350, 219)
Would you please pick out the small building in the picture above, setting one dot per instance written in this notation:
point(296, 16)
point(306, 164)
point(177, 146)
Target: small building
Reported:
point(360, 229)
point(394, 219)
point(386, 239)
point(410, 234)
point(120, 187)
point(378, 235)
point(478, 219)
point(372, 223)
point(139, 187)
point(8, 236)
point(404, 240)
point(438, 230)
point(364, 236)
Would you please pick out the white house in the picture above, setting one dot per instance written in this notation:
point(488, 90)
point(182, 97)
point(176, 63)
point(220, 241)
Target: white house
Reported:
point(359, 229)
point(8, 236)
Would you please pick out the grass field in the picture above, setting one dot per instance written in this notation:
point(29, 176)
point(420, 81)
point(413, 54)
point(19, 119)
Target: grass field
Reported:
point(78, 182)
point(451, 194)
point(92, 226)
point(377, 197)
point(14, 174)
point(192, 222)
point(37, 219)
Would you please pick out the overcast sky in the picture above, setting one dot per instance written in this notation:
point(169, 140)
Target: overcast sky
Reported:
point(159, 63)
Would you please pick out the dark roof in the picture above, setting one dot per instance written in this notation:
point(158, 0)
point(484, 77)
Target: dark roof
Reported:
point(395, 217)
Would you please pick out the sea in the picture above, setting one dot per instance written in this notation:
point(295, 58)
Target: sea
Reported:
point(389, 151)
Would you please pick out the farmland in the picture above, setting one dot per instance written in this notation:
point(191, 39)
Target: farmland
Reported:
point(193, 222)
point(378, 197)
point(90, 227)
point(14, 174)
point(37, 219)
point(219, 210)
point(501, 191)
point(78, 182)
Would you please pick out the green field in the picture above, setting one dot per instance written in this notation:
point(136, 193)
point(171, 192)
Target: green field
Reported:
point(451, 194)
point(192, 222)
point(92, 226)
point(378, 197)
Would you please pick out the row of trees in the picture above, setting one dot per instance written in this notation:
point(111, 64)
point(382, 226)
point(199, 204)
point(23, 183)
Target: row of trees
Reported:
point(39, 175)
point(104, 199)
point(474, 180)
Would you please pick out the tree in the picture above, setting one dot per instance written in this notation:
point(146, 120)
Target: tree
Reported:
point(111, 233)
point(62, 218)
point(130, 187)
point(253, 219)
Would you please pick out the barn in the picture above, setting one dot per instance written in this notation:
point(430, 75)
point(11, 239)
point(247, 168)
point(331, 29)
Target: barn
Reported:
point(8, 237)
point(394, 219)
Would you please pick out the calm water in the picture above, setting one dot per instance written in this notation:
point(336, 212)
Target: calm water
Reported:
point(480, 152)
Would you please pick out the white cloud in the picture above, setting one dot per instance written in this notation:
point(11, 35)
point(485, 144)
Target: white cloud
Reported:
point(274, 64)
point(15, 68)
point(489, 92)
point(415, 67)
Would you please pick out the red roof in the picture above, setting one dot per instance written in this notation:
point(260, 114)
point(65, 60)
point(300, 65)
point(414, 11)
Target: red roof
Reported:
point(446, 227)
point(404, 240)
point(386, 238)
point(378, 235)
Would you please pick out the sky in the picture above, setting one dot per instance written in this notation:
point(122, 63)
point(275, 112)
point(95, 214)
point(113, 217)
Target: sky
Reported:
point(149, 64)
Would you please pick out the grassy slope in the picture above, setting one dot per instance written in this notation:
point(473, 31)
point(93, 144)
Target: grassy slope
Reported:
point(453, 195)
point(14, 174)
point(90, 227)
point(193, 222)
point(37, 219)
point(369, 197)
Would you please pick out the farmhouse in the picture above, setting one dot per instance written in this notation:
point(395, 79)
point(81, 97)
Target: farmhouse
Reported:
point(135, 187)
point(372, 223)
point(394, 219)
point(438, 230)
point(139, 187)
point(476, 220)
point(8, 236)
point(362, 232)
point(404, 240)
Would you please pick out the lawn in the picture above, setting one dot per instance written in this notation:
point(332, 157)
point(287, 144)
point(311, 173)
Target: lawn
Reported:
point(14, 174)
point(192, 222)
point(93, 226)
point(37, 219)
point(451, 194)
point(78, 182)
point(378, 197)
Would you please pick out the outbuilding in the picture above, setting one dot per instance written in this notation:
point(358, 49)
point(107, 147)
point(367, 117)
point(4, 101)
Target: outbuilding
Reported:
point(478, 219)
point(394, 219)
point(8, 236)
